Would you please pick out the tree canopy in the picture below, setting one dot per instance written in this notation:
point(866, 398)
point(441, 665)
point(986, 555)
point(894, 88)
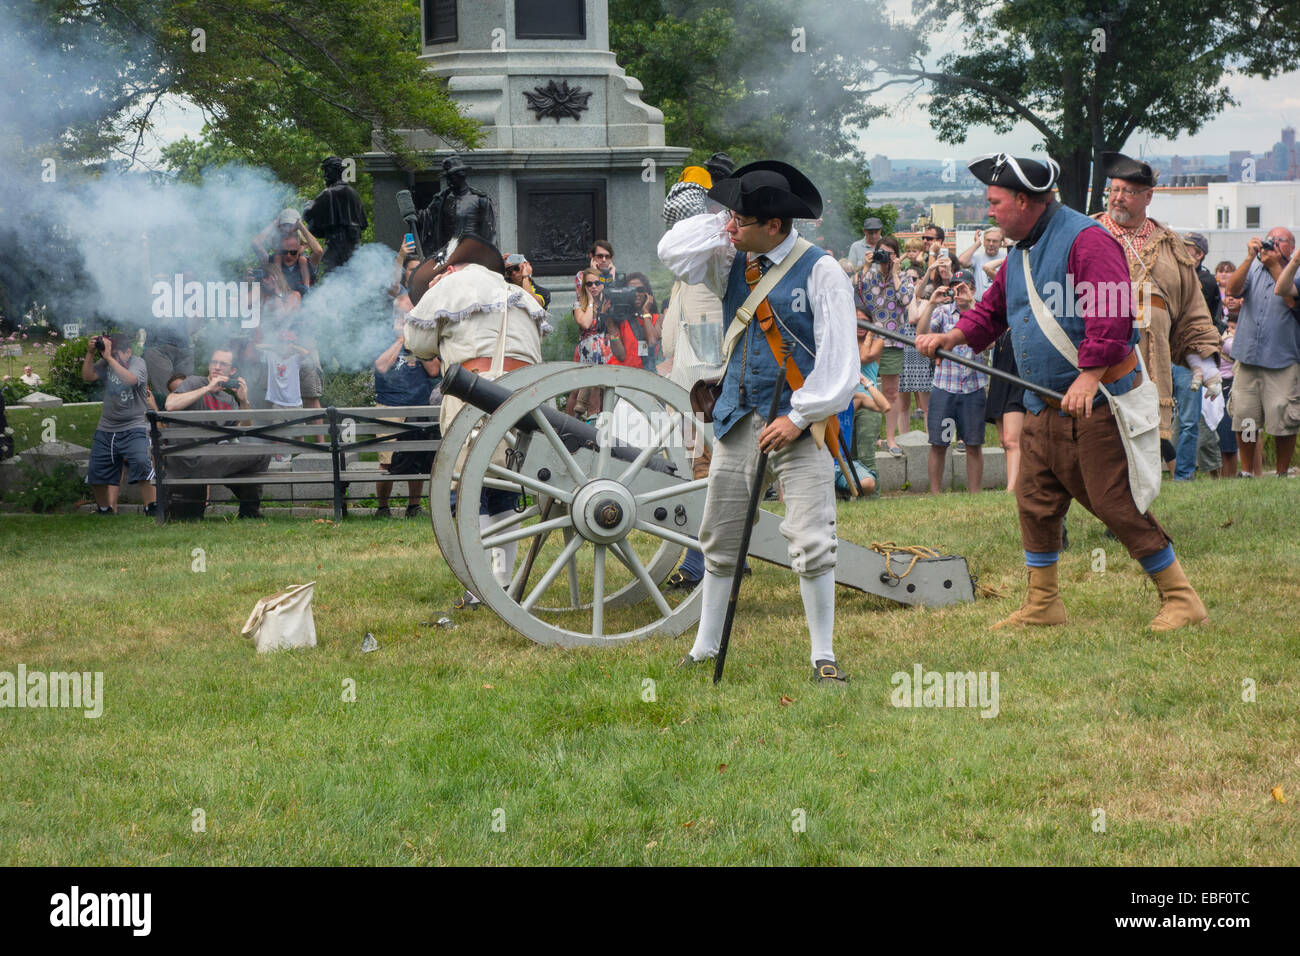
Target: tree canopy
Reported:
point(1089, 74)
point(760, 79)
point(280, 84)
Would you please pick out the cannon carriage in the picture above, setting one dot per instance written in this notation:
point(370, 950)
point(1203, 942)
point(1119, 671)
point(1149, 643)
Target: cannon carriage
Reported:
point(606, 511)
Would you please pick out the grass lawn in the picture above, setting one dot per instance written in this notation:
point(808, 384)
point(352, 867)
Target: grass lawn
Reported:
point(74, 423)
point(33, 355)
point(455, 730)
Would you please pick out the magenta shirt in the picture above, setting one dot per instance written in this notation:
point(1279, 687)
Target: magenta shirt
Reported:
point(1094, 257)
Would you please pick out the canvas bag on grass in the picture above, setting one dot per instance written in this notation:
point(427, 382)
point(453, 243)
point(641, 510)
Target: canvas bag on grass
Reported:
point(1137, 412)
point(284, 620)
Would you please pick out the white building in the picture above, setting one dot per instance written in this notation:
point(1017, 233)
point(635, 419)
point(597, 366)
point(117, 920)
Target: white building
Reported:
point(1229, 214)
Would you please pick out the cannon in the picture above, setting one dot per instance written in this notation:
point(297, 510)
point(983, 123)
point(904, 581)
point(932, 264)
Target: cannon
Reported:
point(607, 509)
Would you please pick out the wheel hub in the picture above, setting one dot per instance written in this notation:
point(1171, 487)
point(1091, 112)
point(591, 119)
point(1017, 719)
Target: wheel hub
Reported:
point(604, 511)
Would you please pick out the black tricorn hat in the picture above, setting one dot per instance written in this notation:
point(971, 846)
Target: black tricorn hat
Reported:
point(720, 166)
point(454, 164)
point(1119, 166)
point(769, 189)
point(470, 249)
point(1015, 172)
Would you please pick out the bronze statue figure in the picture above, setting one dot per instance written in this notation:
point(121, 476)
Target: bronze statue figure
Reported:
point(459, 209)
point(335, 215)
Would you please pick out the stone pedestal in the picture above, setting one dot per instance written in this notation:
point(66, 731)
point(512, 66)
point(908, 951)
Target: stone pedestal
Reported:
point(570, 153)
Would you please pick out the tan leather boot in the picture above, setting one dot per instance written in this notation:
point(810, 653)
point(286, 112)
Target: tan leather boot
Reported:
point(1179, 603)
point(1042, 604)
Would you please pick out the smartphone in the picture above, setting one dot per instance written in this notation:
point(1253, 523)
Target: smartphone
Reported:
point(410, 239)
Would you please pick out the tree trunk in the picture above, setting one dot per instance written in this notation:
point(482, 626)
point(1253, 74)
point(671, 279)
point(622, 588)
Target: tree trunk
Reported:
point(1073, 182)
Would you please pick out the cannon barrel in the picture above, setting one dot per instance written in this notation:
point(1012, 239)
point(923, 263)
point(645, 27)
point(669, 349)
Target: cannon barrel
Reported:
point(487, 396)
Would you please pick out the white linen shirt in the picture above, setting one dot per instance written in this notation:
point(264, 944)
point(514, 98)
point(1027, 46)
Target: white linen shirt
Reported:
point(698, 249)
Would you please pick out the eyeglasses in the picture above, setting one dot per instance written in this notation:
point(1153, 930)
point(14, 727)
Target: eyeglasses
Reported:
point(1127, 191)
point(593, 285)
point(734, 218)
point(290, 252)
point(602, 255)
point(930, 238)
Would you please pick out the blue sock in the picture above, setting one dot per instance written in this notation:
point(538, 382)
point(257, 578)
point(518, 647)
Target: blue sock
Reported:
point(1041, 559)
point(692, 565)
point(1155, 563)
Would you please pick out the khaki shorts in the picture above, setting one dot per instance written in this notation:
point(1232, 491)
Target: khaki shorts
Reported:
point(1266, 396)
point(386, 457)
point(310, 379)
point(891, 361)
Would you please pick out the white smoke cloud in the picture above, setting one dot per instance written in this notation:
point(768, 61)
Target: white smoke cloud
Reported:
point(125, 229)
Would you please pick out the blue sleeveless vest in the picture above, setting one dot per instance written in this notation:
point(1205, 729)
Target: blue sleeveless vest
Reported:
point(1037, 358)
point(752, 363)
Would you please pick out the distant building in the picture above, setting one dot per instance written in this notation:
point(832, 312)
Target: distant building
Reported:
point(1236, 161)
point(881, 169)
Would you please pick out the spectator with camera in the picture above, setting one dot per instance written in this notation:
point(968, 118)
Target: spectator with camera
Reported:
point(884, 292)
point(601, 256)
point(872, 229)
point(645, 320)
point(596, 345)
point(1266, 387)
point(221, 390)
point(957, 398)
point(122, 435)
point(933, 237)
point(618, 312)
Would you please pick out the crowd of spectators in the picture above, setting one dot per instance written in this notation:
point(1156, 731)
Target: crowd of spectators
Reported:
point(908, 289)
point(922, 287)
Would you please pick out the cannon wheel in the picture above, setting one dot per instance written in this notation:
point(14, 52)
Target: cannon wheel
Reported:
point(623, 525)
point(443, 477)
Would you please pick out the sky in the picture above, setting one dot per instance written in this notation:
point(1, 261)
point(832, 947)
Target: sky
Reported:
point(1266, 106)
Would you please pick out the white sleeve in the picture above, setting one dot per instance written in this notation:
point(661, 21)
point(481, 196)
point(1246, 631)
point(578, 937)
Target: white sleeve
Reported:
point(1209, 368)
point(698, 250)
point(834, 378)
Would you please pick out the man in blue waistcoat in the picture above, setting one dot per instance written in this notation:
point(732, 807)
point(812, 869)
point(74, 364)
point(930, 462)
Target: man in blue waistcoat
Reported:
point(812, 305)
point(1073, 452)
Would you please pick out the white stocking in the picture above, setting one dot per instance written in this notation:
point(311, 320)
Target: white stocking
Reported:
point(715, 590)
point(819, 607)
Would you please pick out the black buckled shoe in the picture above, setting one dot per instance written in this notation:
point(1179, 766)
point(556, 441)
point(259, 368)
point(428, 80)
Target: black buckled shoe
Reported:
point(680, 582)
point(467, 602)
point(827, 673)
